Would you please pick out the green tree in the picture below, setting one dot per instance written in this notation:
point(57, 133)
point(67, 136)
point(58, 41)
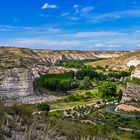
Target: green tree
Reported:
point(120, 94)
point(43, 107)
point(107, 90)
point(131, 68)
point(85, 83)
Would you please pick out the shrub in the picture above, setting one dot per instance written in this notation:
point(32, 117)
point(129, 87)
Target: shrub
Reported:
point(43, 107)
point(135, 80)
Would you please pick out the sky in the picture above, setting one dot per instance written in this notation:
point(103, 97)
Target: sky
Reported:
point(70, 24)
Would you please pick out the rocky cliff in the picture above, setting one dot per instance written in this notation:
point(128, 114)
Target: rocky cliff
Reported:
point(16, 82)
point(131, 93)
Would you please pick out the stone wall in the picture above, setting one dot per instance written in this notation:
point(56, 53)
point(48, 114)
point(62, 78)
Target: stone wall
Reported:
point(131, 92)
point(16, 82)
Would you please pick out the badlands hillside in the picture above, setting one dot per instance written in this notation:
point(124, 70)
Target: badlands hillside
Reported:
point(15, 57)
point(131, 58)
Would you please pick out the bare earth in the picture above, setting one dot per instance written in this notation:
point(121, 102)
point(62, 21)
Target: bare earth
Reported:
point(127, 108)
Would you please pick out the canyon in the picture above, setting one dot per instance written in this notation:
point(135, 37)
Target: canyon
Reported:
point(20, 66)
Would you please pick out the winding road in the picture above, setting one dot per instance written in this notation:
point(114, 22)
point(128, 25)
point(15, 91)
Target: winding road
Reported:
point(111, 110)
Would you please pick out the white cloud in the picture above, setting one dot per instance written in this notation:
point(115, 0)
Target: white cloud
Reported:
point(86, 10)
point(96, 34)
point(76, 6)
point(83, 11)
point(44, 43)
point(73, 18)
point(49, 6)
point(100, 45)
point(53, 30)
point(115, 15)
point(65, 14)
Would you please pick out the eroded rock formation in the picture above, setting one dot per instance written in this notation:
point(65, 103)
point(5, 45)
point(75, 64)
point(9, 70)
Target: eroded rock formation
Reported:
point(131, 93)
point(16, 82)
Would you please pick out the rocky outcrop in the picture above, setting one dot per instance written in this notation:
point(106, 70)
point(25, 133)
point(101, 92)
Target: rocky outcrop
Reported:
point(136, 73)
point(127, 108)
point(133, 62)
point(16, 82)
point(131, 93)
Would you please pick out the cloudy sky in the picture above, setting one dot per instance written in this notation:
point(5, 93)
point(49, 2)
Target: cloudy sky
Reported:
point(71, 24)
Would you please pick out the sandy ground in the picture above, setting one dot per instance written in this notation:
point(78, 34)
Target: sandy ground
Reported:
point(127, 108)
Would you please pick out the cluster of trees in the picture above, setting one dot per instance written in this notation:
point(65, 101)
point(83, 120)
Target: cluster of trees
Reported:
point(118, 75)
point(57, 82)
point(93, 74)
point(89, 72)
point(75, 63)
point(82, 79)
point(108, 91)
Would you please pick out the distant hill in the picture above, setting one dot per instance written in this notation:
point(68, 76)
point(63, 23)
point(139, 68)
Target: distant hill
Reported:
point(17, 57)
point(122, 62)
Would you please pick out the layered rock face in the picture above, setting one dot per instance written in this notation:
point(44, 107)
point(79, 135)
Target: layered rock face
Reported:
point(16, 82)
point(132, 92)
point(55, 55)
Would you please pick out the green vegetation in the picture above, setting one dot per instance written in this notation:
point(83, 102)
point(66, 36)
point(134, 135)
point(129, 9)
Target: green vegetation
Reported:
point(120, 94)
point(43, 107)
point(112, 76)
point(135, 80)
point(85, 83)
point(132, 68)
point(87, 96)
point(108, 90)
point(89, 72)
point(57, 82)
point(24, 111)
point(76, 63)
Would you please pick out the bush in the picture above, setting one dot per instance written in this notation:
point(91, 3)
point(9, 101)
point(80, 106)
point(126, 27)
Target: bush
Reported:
point(135, 80)
point(43, 107)
point(85, 83)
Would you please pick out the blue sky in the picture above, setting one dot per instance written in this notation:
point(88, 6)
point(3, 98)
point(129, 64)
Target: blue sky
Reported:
point(70, 24)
